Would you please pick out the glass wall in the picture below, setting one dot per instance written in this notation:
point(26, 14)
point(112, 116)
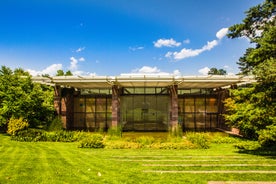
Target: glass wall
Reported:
point(197, 112)
point(144, 109)
point(92, 112)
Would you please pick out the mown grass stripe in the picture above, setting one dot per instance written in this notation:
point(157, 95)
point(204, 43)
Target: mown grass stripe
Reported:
point(208, 165)
point(240, 182)
point(209, 172)
point(132, 160)
point(189, 156)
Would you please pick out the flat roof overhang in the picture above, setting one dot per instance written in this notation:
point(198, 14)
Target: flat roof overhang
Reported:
point(210, 81)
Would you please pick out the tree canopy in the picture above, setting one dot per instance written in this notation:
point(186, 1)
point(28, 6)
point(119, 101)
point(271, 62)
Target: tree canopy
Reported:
point(21, 98)
point(61, 73)
point(252, 109)
point(215, 71)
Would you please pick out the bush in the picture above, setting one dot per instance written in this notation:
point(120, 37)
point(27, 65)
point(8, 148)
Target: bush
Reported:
point(248, 145)
point(224, 140)
point(199, 139)
point(119, 144)
point(92, 141)
point(267, 137)
point(174, 145)
point(30, 135)
point(176, 131)
point(56, 124)
point(145, 141)
point(114, 133)
point(61, 136)
point(16, 125)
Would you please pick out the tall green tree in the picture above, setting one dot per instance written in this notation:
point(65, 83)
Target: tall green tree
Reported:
point(61, 73)
point(20, 97)
point(253, 109)
point(215, 71)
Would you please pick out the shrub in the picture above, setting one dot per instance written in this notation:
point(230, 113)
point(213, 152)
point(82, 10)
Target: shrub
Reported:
point(176, 131)
point(174, 145)
point(56, 124)
point(224, 139)
point(114, 132)
point(61, 136)
point(30, 135)
point(17, 125)
point(92, 141)
point(119, 144)
point(199, 139)
point(79, 135)
point(267, 137)
point(145, 141)
point(248, 145)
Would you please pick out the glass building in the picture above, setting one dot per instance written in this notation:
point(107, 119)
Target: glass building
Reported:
point(142, 103)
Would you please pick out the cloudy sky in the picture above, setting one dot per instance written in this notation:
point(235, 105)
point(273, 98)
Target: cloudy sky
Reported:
point(114, 37)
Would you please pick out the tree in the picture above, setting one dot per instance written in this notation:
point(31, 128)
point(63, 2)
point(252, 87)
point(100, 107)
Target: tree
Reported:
point(21, 98)
point(61, 73)
point(215, 71)
point(253, 109)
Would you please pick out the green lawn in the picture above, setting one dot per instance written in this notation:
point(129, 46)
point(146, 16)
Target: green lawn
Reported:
point(48, 162)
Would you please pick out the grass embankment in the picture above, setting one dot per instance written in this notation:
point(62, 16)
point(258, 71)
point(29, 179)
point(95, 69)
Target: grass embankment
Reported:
point(54, 162)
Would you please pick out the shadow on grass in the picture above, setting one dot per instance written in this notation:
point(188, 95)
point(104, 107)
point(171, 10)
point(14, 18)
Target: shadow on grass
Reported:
point(262, 151)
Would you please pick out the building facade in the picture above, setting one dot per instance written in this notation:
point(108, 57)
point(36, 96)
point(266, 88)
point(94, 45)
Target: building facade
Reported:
point(142, 103)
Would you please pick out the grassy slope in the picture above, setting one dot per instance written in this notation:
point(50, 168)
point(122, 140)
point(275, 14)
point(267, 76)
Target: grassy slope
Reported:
point(65, 163)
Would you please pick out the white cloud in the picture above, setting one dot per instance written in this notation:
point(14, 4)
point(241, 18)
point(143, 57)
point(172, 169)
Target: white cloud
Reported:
point(176, 73)
point(80, 49)
point(186, 53)
point(166, 43)
point(51, 70)
point(204, 71)
point(187, 41)
point(222, 33)
point(136, 48)
point(209, 45)
point(83, 73)
point(147, 70)
point(81, 59)
point(74, 62)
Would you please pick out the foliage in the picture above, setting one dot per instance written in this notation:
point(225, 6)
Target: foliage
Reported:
point(121, 144)
point(176, 131)
point(248, 145)
point(60, 136)
point(39, 135)
point(224, 140)
point(56, 124)
point(114, 132)
point(145, 141)
point(215, 71)
point(93, 141)
point(253, 109)
point(20, 97)
point(174, 145)
point(199, 139)
point(16, 125)
point(267, 136)
point(61, 73)
point(30, 135)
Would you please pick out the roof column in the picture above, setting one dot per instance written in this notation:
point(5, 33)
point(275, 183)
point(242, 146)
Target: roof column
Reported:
point(115, 106)
point(174, 106)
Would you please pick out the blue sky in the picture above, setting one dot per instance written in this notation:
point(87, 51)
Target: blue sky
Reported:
point(114, 37)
